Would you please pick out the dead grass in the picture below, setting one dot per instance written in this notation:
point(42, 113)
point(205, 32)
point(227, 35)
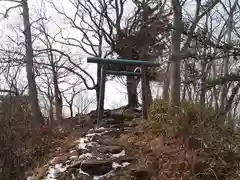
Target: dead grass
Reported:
point(22, 147)
point(187, 143)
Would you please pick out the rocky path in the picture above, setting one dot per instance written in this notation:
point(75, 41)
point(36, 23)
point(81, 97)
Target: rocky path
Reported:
point(96, 155)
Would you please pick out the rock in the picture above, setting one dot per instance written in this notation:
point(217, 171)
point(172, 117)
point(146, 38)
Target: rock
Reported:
point(112, 121)
point(100, 130)
point(109, 149)
point(96, 167)
point(122, 159)
point(115, 133)
point(82, 151)
point(104, 140)
point(108, 141)
point(106, 131)
point(76, 164)
point(116, 125)
point(141, 173)
point(73, 174)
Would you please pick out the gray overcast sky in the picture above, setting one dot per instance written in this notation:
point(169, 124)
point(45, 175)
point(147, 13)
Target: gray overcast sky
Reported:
point(115, 93)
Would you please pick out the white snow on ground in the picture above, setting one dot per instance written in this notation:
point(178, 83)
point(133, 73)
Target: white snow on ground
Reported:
point(125, 164)
point(122, 153)
point(53, 171)
point(116, 165)
point(91, 134)
point(83, 143)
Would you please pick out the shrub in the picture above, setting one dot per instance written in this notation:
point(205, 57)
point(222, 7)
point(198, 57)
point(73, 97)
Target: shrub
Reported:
point(21, 147)
point(192, 121)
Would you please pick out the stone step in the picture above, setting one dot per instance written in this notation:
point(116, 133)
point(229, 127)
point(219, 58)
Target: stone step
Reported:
point(110, 149)
point(96, 167)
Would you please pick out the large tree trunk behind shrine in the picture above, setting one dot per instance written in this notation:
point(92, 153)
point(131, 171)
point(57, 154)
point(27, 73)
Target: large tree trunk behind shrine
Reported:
point(149, 93)
point(132, 92)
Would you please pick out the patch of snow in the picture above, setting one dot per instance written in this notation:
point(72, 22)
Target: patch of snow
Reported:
point(82, 143)
point(53, 171)
point(122, 153)
point(116, 165)
point(73, 157)
point(72, 151)
point(92, 134)
point(139, 108)
point(91, 144)
point(83, 172)
point(73, 177)
point(125, 164)
point(100, 128)
point(53, 160)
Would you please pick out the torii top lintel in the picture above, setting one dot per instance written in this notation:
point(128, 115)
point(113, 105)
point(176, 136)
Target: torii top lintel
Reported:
point(122, 61)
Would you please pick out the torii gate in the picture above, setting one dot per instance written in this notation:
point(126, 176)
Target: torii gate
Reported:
point(104, 71)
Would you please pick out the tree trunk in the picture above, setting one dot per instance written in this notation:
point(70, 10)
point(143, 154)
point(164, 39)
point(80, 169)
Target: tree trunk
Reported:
point(224, 91)
point(166, 85)
point(185, 83)
point(215, 94)
point(203, 89)
point(57, 94)
point(71, 109)
point(51, 117)
point(36, 112)
point(132, 92)
point(149, 92)
point(175, 78)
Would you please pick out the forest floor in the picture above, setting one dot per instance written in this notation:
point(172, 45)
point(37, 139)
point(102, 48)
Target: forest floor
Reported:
point(126, 148)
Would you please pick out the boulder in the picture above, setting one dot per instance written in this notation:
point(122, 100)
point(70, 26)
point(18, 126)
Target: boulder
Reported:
point(109, 149)
point(76, 164)
point(115, 133)
point(108, 142)
point(112, 121)
point(104, 140)
point(96, 167)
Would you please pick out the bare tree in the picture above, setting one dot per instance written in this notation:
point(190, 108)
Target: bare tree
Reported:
point(229, 22)
point(70, 94)
point(177, 53)
point(145, 23)
point(83, 103)
point(38, 118)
